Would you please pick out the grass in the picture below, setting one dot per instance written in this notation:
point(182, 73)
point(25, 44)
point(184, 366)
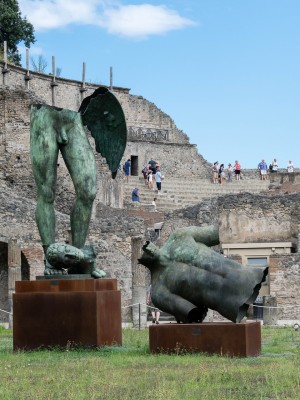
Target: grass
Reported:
point(131, 372)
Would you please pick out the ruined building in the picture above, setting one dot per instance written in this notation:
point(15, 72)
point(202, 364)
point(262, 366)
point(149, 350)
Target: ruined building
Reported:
point(254, 228)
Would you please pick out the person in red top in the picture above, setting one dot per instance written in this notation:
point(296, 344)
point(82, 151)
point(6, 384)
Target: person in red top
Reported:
point(237, 170)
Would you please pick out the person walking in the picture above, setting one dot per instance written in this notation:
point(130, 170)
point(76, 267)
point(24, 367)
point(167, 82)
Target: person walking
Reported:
point(154, 311)
point(154, 203)
point(158, 178)
point(150, 179)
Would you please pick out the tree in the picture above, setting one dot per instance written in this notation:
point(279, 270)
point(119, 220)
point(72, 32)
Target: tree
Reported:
point(39, 64)
point(14, 29)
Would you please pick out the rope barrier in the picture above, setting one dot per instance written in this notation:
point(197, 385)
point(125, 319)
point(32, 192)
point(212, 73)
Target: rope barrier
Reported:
point(139, 304)
point(253, 305)
point(154, 308)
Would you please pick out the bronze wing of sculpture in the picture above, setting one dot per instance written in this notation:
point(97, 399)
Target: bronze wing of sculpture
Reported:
point(103, 115)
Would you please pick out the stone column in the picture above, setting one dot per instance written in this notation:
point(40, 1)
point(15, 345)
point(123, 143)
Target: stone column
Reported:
point(270, 314)
point(139, 313)
point(53, 82)
point(14, 273)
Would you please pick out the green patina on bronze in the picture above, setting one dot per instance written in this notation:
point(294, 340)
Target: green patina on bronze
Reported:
point(54, 129)
point(188, 277)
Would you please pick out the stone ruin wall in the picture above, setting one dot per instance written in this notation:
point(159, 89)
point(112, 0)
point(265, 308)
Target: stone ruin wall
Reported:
point(111, 233)
point(151, 133)
point(247, 218)
point(284, 273)
point(148, 127)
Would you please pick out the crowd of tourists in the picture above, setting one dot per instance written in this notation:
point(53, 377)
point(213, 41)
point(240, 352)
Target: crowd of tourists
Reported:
point(152, 177)
point(222, 174)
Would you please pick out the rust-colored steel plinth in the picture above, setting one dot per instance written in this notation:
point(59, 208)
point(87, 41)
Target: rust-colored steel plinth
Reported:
point(224, 338)
point(63, 313)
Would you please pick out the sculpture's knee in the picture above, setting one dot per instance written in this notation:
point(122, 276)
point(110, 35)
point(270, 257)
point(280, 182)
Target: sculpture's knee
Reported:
point(46, 195)
point(87, 195)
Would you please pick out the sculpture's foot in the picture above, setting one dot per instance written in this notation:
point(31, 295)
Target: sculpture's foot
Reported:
point(71, 260)
point(62, 255)
point(54, 271)
point(98, 273)
point(50, 270)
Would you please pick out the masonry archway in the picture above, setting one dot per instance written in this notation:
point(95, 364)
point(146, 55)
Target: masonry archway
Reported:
point(5, 304)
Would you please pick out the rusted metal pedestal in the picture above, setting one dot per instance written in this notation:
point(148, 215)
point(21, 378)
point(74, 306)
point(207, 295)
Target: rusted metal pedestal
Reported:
point(224, 338)
point(62, 312)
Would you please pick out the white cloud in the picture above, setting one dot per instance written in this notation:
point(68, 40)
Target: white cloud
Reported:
point(134, 21)
point(142, 20)
point(51, 14)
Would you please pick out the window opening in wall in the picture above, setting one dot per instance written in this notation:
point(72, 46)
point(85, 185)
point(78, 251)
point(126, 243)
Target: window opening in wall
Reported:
point(265, 286)
point(257, 261)
point(134, 165)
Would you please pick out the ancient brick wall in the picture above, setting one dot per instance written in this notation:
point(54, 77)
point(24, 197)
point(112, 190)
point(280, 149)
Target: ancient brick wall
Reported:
point(150, 131)
point(242, 218)
point(253, 218)
point(284, 273)
point(261, 218)
point(110, 233)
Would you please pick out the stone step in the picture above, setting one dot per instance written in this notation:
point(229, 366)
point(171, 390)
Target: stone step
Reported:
point(205, 186)
point(180, 193)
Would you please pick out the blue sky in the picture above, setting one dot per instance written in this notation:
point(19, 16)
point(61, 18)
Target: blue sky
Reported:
point(226, 71)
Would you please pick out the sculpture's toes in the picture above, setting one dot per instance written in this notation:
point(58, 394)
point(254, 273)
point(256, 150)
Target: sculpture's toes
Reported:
point(53, 271)
point(98, 273)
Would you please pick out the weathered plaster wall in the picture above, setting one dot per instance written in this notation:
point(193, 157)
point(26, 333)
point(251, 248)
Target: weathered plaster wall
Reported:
point(248, 218)
point(111, 234)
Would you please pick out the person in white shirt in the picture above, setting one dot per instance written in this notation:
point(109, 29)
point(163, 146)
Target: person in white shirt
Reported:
point(274, 165)
point(290, 167)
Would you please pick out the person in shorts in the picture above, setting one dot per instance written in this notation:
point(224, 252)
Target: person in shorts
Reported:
point(237, 170)
point(262, 167)
point(154, 311)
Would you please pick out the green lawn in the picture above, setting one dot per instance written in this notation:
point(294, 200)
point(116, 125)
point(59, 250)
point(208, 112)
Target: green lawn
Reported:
point(131, 372)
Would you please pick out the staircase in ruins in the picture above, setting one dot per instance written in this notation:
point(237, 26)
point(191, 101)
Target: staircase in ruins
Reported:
point(179, 192)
